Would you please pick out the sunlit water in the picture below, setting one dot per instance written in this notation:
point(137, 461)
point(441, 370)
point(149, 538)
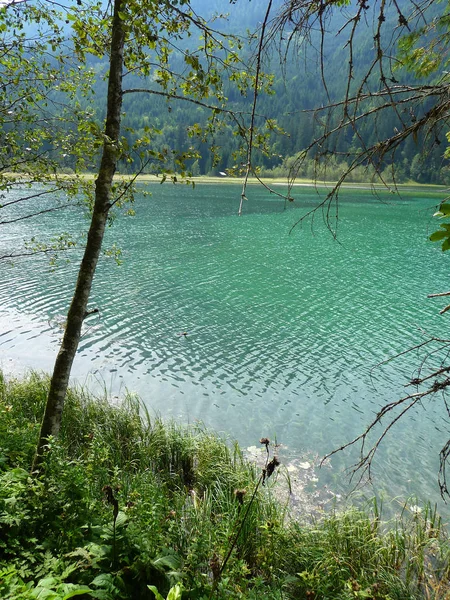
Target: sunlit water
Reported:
point(283, 331)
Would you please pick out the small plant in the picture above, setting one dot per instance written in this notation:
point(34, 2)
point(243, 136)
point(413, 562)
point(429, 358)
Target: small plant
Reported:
point(266, 473)
point(175, 592)
point(12, 587)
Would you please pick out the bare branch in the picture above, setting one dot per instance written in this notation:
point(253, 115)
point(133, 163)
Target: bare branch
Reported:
point(36, 214)
point(419, 112)
point(366, 457)
point(28, 254)
point(418, 381)
point(30, 197)
point(255, 100)
point(171, 96)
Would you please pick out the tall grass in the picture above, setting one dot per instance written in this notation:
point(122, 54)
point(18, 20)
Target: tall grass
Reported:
point(127, 500)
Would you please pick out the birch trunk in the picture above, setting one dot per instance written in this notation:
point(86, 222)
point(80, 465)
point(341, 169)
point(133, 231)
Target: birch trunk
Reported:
point(60, 379)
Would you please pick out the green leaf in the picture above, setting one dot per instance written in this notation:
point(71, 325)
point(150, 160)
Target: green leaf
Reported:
point(121, 517)
point(438, 235)
point(78, 590)
point(43, 593)
point(48, 582)
point(155, 591)
point(175, 593)
point(446, 245)
point(103, 580)
point(445, 208)
point(170, 561)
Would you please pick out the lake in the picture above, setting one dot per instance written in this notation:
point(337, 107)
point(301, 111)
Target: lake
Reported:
point(284, 330)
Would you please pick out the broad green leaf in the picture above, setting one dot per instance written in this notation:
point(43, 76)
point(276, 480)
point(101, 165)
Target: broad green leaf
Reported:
point(170, 561)
point(103, 580)
point(438, 235)
point(16, 475)
point(48, 582)
point(446, 245)
point(43, 593)
point(78, 590)
point(445, 208)
point(121, 517)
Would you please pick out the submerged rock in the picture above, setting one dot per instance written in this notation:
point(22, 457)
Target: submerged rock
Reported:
point(296, 484)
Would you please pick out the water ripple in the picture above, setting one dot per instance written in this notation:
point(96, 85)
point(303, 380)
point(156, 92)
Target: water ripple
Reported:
point(282, 331)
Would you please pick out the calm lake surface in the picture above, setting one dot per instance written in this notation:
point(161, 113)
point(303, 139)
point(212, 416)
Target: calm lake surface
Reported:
point(284, 331)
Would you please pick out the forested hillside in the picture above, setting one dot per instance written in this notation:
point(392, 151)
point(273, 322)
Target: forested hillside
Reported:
point(294, 88)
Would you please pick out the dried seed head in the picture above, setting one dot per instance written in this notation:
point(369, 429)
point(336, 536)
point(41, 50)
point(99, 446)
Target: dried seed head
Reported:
point(271, 466)
point(265, 442)
point(214, 564)
point(240, 495)
point(107, 490)
point(109, 494)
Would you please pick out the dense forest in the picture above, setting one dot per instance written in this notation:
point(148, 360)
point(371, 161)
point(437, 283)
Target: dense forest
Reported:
point(296, 83)
point(294, 87)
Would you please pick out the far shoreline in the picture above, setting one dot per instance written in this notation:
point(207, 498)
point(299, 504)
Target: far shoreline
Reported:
point(264, 182)
point(410, 186)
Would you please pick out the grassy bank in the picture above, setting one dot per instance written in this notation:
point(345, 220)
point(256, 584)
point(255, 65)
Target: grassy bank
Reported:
point(424, 188)
point(126, 502)
point(276, 182)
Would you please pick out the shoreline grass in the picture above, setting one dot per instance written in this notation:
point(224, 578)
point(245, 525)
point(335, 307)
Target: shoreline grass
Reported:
point(126, 502)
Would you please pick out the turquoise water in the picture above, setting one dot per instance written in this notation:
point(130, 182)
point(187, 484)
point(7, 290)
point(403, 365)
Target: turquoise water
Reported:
point(283, 330)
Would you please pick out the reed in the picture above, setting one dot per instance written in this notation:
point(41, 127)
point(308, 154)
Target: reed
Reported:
point(127, 500)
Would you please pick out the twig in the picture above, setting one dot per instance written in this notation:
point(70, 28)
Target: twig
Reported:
point(435, 374)
point(40, 212)
point(267, 471)
point(255, 100)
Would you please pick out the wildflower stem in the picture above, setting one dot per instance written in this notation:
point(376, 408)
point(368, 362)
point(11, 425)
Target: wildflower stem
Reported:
point(236, 537)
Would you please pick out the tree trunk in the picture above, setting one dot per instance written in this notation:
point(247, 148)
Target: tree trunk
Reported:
point(60, 379)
